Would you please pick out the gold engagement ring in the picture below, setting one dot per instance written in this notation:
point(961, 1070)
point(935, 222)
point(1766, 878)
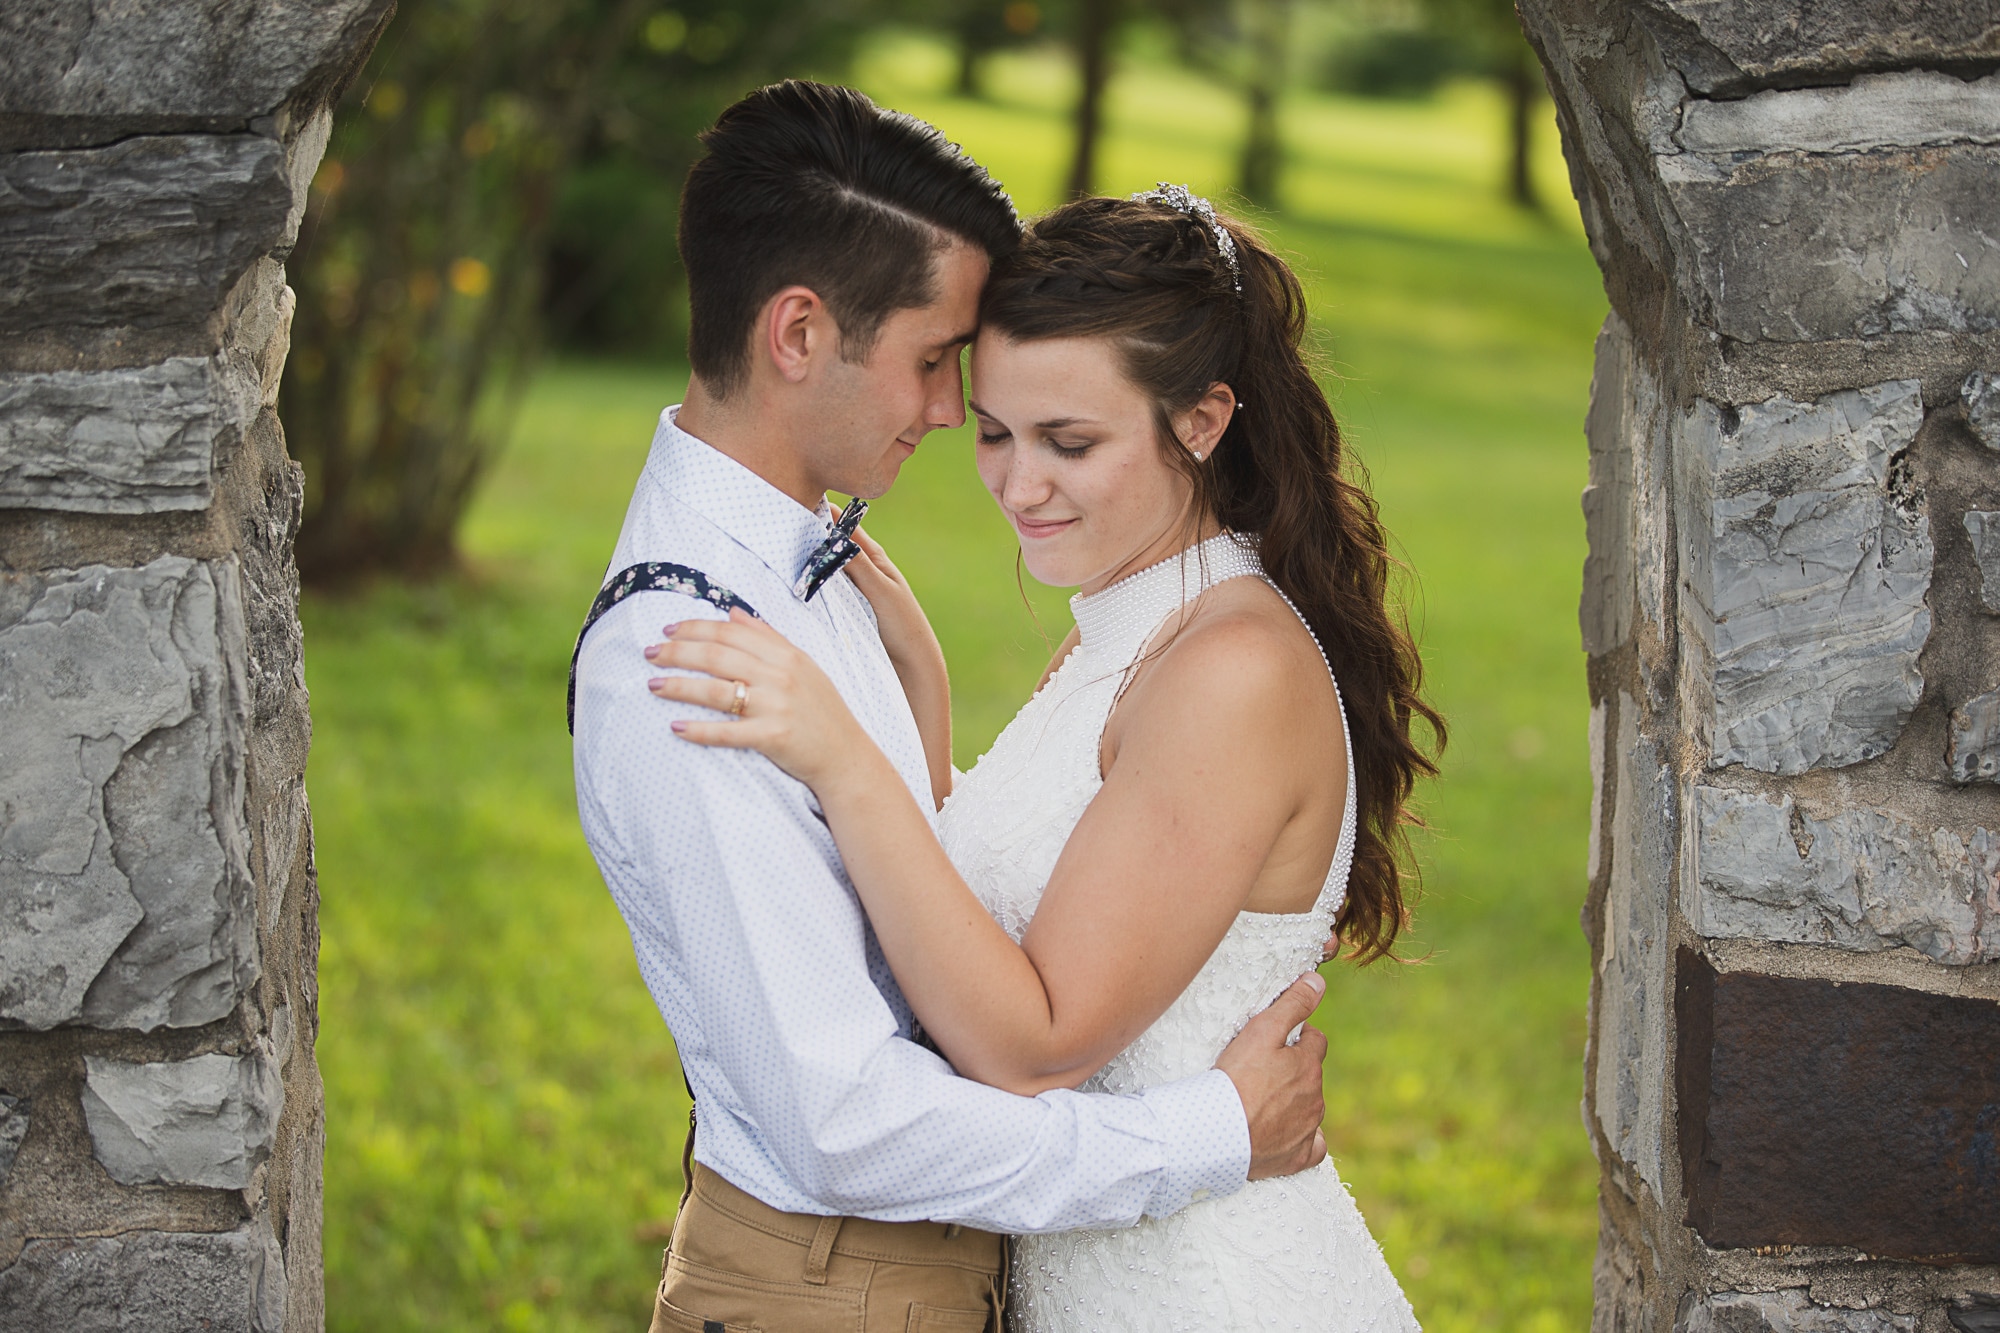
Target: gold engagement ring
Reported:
point(742, 697)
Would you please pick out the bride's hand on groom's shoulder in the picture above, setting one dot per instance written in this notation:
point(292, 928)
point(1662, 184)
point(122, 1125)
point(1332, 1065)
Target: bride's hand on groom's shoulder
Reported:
point(777, 699)
point(905, 629)
point(913, 650)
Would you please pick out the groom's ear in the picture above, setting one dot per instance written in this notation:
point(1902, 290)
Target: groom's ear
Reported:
point(796, 328)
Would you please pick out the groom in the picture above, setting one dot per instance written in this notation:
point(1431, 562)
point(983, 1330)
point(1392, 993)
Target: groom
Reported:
point(844, 1176)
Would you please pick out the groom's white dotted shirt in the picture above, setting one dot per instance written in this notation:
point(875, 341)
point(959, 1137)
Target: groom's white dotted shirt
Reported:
point(749, 935)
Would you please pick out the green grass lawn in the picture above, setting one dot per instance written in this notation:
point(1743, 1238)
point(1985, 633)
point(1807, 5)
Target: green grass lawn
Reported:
point(504, 1113)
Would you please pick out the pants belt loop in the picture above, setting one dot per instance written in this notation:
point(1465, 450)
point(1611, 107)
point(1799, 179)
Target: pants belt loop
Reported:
point(1003, 1286)
point(687, 1183)
point(687, 1162)
point(821, 1250)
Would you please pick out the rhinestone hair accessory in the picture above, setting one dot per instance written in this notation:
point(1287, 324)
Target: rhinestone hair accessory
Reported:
point(1183, 200)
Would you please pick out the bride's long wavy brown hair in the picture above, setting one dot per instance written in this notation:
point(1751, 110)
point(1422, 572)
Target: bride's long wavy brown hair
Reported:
point(1153, 280)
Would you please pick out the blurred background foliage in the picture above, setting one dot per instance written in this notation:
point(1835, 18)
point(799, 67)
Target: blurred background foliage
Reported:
point(504, 180)
point(489, 323)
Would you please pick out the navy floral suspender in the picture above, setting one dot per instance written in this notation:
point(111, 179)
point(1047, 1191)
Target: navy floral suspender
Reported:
point(654, 576)
point(826, 560)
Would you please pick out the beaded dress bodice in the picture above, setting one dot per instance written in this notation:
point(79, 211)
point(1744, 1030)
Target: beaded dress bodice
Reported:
point(1286, 1253)
point(1008, 819)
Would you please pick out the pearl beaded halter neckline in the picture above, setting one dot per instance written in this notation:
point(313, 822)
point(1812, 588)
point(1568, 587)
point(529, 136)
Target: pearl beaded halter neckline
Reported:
point(1120, 618)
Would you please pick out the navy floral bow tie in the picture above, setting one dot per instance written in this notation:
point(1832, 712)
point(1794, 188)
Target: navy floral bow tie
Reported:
point(832, 554)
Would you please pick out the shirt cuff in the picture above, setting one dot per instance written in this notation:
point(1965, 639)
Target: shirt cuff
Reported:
point(1204, 1141)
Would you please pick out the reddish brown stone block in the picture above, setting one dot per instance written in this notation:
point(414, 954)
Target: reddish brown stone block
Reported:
point(1829, 1113)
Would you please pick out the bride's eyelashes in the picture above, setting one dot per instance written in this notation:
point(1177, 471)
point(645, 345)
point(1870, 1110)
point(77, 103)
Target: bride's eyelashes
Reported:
point(1058, 447)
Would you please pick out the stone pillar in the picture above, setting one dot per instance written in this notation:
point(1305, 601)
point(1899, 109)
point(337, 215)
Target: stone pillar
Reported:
point(1793, 1078)
point(160, 1109)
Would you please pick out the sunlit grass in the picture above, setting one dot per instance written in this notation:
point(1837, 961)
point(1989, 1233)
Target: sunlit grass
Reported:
point(504, 1112)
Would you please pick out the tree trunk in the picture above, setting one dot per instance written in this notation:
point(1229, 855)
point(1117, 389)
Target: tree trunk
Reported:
point(417, 327)
point(1268, 23)
point(1523, 81)
point(971, 51)
point(1097, 21)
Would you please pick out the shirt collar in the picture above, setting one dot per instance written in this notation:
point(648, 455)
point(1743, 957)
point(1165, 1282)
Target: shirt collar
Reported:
point(757, 515)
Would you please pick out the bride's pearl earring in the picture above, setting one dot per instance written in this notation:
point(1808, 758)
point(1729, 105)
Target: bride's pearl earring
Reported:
point(1199, 455)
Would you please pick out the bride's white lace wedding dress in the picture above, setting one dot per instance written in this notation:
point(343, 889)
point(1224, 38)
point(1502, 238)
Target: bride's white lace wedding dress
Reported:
point(1289, 1253)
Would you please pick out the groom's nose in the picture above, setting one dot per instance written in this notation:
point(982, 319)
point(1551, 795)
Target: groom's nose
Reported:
point(946, 408)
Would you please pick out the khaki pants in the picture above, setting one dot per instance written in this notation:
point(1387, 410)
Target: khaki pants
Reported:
point(736, 1265)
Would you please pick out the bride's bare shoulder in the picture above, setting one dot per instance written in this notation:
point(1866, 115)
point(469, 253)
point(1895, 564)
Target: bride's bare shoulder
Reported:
point(1240, 653)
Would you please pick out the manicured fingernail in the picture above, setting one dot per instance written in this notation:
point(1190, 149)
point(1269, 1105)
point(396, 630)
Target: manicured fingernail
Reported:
point(1316, 981)
point(669, 630)
point(654, 648)
point(678, 726)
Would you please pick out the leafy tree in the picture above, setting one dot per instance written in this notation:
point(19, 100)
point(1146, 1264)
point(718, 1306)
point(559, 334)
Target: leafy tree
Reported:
point(1492, 30)
point(1397, 62)
point(418, 269)
point(1267, 28)
point(614, 276)
point(1244, 44)
point(981, 27)
point(1095, 26)
point(492, 144)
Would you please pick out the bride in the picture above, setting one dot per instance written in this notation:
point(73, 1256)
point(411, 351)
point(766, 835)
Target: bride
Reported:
point(1210, 778)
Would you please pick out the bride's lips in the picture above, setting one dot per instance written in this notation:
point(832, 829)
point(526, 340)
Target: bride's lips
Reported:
point(1038, 528)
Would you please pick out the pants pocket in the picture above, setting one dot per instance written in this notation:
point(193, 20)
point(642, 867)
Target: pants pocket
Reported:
point(670, 1318)
point(735, 1300)
point(936, 1319)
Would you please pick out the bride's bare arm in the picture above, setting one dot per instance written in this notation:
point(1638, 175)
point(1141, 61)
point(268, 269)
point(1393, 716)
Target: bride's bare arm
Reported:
point(1154, 874)
point(913, 650)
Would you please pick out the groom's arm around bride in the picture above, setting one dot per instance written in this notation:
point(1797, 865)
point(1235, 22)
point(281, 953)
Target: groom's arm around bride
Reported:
point(844, 1176)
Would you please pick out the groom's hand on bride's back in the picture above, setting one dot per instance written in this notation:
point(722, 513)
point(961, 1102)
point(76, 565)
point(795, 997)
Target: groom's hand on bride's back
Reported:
point(1282, 1087)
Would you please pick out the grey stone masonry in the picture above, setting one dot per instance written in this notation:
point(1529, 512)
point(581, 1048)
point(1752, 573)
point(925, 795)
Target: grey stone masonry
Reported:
point(1974, 754)
point(207, 1120)
point(1981, 392)
point(1789, 1311)
point(1984, 528)
point(1915, 109)
point(1861, 879)
point(1725, 46)
point(1633, 975)
point(124, 884)
point(161, 1116)
point(1789, 609)
point(178, 218)
point(14, 1113)
point(147, 1282)
point(1804, 562)
point(83, 69)
point(119, 441)
point(1852, 277)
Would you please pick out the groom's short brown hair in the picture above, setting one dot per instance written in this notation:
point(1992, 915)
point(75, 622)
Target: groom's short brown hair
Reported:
point(813, 184)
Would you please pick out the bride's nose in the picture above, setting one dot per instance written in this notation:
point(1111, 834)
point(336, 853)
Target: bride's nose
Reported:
point(1025, 485)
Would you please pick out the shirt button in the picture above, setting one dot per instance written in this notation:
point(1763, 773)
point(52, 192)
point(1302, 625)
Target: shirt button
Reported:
point(1199, 1195)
